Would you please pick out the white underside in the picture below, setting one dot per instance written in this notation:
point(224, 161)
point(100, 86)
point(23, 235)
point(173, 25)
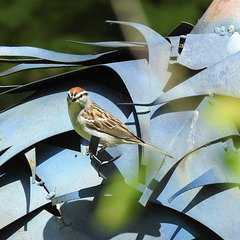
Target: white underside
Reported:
point(85, 132)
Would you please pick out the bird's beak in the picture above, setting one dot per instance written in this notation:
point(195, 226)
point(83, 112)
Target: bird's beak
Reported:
point(71, 99)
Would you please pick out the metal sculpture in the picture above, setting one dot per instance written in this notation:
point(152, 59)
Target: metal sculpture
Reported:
point(170, 99)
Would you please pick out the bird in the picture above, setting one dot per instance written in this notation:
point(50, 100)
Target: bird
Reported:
point(89, 119)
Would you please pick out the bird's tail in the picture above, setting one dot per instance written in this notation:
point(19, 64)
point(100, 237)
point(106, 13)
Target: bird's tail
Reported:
point(155, 148)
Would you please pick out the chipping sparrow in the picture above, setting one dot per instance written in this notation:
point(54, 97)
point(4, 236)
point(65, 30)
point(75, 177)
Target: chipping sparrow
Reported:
point(89, 119)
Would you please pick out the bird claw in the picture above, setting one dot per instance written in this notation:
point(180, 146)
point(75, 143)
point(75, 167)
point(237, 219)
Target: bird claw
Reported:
point(88, 151)
point(101, 150)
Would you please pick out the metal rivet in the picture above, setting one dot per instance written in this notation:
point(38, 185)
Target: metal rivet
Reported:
point(231, 30)
point(223, 31)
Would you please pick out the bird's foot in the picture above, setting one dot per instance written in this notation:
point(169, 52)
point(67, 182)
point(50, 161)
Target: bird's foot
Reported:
point(88, 151)
point(101, 150)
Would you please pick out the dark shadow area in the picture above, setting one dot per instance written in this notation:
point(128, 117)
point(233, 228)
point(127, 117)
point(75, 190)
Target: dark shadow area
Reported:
point(158, 187)
point(4, 150)
point(10, 229)
point(68, 140)
point(103, 163)
point(179, 75)
point(5, 88)
point(43, 153)
point(179, 105)
point(183, 28)
point(146, 221)
point(27, 191)
point(13, 170)
point(207, 191)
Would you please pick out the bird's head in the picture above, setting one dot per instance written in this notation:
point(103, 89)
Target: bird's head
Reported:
point(78, 96)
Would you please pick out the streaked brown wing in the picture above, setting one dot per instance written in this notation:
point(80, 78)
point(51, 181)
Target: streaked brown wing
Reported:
point(107, 123)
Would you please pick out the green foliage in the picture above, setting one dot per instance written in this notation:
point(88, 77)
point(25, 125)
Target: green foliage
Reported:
point(164, 15)
point(48, 23)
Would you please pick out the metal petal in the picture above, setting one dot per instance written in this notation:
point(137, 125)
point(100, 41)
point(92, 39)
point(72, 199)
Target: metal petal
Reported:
point(159, 50)
point(113, 44)
point(47, 54)
point(25, 66)
point(212, 80)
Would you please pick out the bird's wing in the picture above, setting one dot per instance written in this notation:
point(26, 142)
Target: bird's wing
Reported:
point(97, 118)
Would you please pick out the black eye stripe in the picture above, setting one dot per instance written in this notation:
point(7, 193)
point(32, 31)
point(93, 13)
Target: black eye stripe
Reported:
point(74, 96)
point(81, 95)
point(84, 94)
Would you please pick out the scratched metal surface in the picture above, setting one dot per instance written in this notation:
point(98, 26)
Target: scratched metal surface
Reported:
point(201, 51)
point(192, 195)
point(219, 13)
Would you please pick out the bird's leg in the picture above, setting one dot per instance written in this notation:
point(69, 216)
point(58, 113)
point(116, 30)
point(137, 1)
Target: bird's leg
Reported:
point(98, 152)
point(93, 145)
point(88, 150)
point(101, 150)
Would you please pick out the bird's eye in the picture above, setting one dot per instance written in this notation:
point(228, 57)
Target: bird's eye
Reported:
point(79, 96)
